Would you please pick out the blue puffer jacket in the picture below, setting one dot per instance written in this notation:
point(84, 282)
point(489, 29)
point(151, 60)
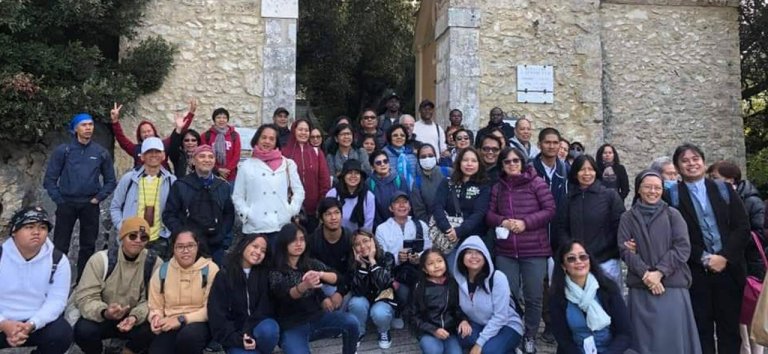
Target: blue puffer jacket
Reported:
point(73, 173)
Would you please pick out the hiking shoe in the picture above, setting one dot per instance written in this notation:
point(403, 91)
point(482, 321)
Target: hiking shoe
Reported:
point(397, 323)
point(385, 340)
point(547, 336)
point(529, 345)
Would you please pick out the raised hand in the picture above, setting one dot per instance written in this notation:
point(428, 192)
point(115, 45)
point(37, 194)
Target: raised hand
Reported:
point(114, 114)
point(192, 105)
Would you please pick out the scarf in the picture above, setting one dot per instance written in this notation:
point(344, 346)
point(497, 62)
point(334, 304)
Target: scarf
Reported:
point(648, 210)
point(272, 158)
point(358, 215)
point(586, 299)
point(402, 161)
point(220, 145)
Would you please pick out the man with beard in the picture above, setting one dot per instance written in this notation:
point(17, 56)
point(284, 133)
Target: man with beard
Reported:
point(497, 121)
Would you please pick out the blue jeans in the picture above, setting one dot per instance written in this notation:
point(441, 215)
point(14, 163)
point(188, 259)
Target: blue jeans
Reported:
point(381, 313)
point(432, 345)
point(266, 334)
point(296, 340)
point(503, 342)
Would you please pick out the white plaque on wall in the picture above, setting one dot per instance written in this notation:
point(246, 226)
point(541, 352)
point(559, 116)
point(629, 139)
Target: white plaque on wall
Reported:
point(535, 84)
point(280, 8)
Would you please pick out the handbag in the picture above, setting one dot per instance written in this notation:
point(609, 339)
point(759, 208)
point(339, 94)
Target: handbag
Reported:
point(752, 288)
point(759, 326)
point(439, 238)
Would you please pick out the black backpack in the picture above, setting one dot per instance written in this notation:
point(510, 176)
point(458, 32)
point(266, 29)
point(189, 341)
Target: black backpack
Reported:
point(111, 263)
point(204, 212)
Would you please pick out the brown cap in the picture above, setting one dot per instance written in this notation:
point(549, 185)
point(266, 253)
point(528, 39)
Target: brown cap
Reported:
point(134, 224)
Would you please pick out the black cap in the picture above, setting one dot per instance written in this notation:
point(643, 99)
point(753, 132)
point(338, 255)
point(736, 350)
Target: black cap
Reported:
point(393, 94)
point(353, 165)
point(281, 110)
point(29, 216)
point(425, 103)
point(398, 194)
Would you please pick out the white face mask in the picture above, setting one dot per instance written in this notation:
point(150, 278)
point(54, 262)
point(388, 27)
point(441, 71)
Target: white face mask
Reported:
point(428, 163)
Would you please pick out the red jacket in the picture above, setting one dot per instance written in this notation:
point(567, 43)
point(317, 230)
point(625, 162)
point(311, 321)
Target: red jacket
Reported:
point(525, 197)
point(232, 138)
point(134, 149)
point(313, 171)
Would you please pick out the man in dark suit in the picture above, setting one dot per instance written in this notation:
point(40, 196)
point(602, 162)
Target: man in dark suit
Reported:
point(718, 228)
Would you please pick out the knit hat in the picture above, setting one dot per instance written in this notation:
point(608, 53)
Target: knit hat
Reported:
point(29, 215)
point(134, 224)
point(353, 165)
point(202, 148)
point(77, 119)
point(152, 143)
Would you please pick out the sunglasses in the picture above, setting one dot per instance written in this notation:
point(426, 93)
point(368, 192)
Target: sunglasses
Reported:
point(190, 140)
point(512, 161)
point(573, 258)
point(491, 149)
point(369, 117)
point(316, 137)
point(462, 137)
point(381, 162)
point(140, 235)
point(398, 135)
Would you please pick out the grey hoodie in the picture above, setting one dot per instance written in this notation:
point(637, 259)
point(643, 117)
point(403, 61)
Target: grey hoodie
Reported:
point(492, 311)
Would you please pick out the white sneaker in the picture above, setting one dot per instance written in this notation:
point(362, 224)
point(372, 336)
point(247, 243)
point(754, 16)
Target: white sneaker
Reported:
point(397, 323)
point(385, 340)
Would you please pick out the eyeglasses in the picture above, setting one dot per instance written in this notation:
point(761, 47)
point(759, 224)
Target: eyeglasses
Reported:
point(191, 140)
point(512, 161)
point(315, 136)
point(185, 248)
point(381, 162)
point(369, 117)
point(573, 258)
point(140, 235)
point(398, 135)
point(462, 137)
point(491, 149)
point(652, 188)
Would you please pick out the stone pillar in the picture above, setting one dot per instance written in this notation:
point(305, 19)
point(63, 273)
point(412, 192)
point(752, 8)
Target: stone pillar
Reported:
point(457, 33)
point(279, 59)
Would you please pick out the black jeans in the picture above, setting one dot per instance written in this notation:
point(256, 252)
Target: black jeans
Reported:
point(716, 301)
point(160, 248)
point(189, 339)
point(89, 334)
point(66, 215)
point(54, 338)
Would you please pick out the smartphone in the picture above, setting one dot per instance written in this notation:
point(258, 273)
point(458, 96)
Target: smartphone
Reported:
point(416, 246)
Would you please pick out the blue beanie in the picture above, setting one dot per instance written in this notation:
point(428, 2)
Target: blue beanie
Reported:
point(77, 119)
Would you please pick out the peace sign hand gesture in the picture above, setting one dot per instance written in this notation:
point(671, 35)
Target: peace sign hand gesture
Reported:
point(114, 114)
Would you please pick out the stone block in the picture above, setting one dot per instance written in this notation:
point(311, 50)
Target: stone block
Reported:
point(280, 9)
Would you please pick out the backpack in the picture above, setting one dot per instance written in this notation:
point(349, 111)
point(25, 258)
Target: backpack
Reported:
point(57, 255)
point(513, 301)
point(110, 262)
point(674, 194)
point(204, 212)
point(164, 274)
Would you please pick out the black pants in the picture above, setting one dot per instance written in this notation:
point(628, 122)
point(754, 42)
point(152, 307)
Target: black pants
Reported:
point(189, 339)
point(716, 301)
point(54, 338)
point(160, 247)
point(66, 216)
point(89, 334)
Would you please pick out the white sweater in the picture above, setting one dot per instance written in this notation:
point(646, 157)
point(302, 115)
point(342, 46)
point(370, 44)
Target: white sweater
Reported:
point(261, 195)
point(26, 294)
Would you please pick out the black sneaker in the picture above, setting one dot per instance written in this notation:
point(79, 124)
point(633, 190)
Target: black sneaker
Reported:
point(385, 340)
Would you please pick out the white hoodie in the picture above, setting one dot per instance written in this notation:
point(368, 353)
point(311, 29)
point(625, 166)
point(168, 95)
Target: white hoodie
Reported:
point(26, 294)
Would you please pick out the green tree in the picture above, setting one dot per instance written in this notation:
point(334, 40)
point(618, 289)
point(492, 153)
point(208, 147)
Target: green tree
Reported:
point(351, 52)
point(61, 57)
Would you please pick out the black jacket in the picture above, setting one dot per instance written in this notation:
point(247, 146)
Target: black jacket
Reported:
point(177, 155)
point(434, 306)
point(622, 180)
point(182, 194)
point(236, 307)
point(592, 215)
point(732, 222)
point(614, 306)
point(370, 282)
point(506, 128)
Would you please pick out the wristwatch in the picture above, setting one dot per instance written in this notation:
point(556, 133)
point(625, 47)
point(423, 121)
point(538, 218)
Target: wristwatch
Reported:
point(182, 320)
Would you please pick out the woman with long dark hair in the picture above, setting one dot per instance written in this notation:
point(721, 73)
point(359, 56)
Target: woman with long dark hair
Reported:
point(178, 297)
point(343, 149)
point(587, 311)
point(610, 170)
point(295, 283)
point(240, 311)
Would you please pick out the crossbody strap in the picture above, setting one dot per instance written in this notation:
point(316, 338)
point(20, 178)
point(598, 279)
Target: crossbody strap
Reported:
point(760, 248)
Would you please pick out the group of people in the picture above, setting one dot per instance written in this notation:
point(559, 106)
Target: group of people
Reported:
point(464, 236)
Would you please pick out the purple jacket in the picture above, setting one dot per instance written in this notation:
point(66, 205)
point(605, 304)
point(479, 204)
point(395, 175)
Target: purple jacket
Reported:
point(526, 197)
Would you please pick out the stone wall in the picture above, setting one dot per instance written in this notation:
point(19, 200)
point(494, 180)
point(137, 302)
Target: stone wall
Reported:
point(220, 61)
point(671, 75)
point(565, 34)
